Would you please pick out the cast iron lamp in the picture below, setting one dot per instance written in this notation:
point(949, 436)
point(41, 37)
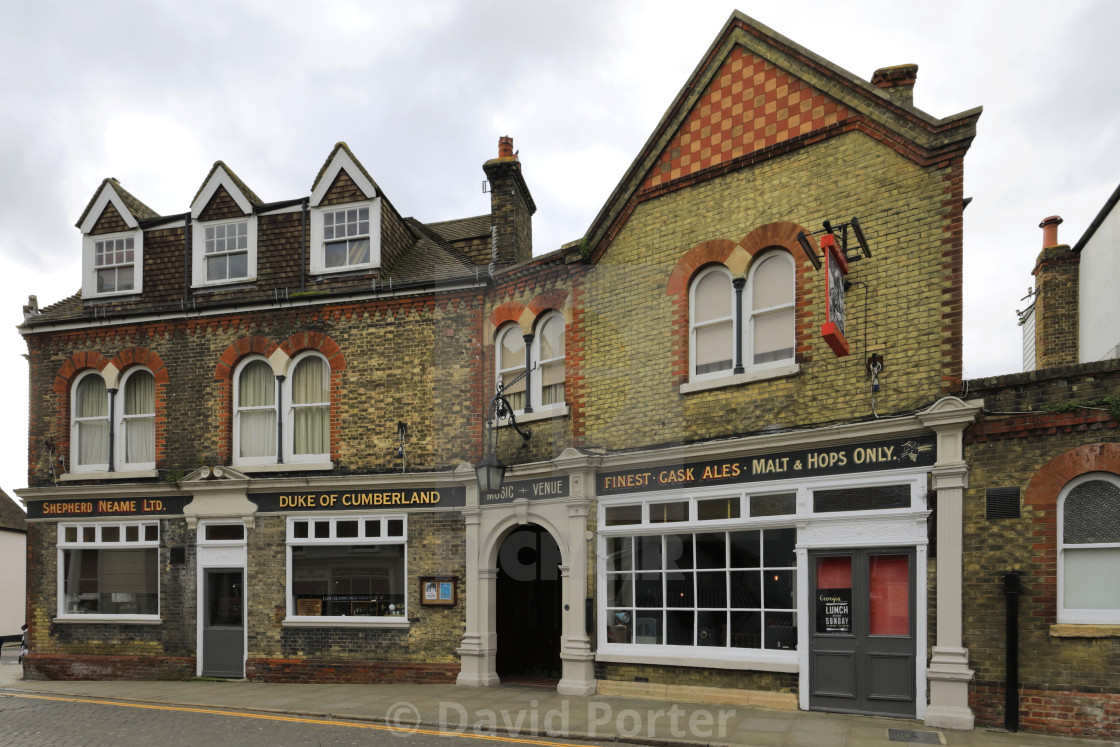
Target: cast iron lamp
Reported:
point(491, 472)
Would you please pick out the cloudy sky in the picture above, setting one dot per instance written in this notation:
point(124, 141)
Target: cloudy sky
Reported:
point(154, 92)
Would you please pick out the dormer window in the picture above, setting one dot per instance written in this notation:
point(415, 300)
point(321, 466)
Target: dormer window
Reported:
point(114, 260)
point(345, 217)
point(225, 230)
point(346, 237)
point(226, 251)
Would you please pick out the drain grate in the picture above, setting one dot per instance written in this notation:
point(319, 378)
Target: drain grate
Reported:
point(909, 735)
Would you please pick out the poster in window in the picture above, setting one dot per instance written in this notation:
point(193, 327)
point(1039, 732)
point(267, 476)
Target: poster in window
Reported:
point(834, 610)
point(438, 591)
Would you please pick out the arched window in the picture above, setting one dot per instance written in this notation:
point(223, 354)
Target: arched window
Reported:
point(712, 323)
point(90, 424)
point(548, 355)
point(254, 422)
point(138, 420)
point(771, 310)
point(1089, 550)
point(510, 347)
point(310, 410)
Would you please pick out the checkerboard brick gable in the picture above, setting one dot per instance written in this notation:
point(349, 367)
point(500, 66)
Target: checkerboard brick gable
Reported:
point(750, 104)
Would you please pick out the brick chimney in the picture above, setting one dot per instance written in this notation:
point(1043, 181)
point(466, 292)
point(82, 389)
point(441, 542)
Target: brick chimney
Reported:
point(897, 82)
point(1056, 306)
point(511, 207)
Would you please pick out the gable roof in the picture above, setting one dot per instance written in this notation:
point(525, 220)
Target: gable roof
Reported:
point(340, 157)
point(135, 208)
point(222, 175)
point(12, 516)
point(845, 101)
point(1109, 204)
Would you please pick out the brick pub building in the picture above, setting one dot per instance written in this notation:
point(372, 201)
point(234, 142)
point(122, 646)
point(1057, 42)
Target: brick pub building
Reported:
point(252, 433)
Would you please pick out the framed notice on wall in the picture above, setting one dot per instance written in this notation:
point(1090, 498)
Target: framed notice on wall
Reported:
point(438, 591)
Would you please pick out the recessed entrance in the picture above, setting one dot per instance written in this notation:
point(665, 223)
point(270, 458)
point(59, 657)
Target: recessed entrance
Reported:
point(528, 605)
point(862, 632)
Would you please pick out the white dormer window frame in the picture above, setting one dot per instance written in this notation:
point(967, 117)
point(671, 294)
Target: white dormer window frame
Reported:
point(328, 243)
point(112, 255)
point(211, 239)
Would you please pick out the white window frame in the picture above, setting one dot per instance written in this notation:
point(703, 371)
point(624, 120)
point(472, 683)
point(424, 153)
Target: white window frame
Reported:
point(290, 415)
point(89, 261)
point(319, 244)
point(75, 430)
point(1073, 615)
point(510, 328)
point(396, 620)
point(200, 257)
point(239, 460)
point(694, 326)
point(538, 363)
point(121, 423)
point(749, 313)
point(99, 544)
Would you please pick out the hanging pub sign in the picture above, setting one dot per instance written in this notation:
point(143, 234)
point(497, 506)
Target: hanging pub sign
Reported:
point(834, 610)
point(836, 267)
point(75, 508)
point(361, 499)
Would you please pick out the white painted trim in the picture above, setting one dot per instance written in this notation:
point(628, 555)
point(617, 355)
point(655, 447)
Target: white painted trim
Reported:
point(120, 433)
point(318, 258)
point(758, 374)
point(220, 178)
point(544, 414)
point(115, 619)
point(1079, 616)
point(89, 269)
point(295, 467)
point(198, 252)
point(124, 475)
point(655, 655)
point(346, 622)
point(342, 161)
point(239, 462)
point(233, 555)
point(107, 195)
point(290, 457)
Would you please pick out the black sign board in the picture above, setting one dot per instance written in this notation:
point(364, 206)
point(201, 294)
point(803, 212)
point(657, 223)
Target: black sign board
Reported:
point(897, 453)
point(834, 610)
point(550, 487)
point(82, 508)
point(361, 499)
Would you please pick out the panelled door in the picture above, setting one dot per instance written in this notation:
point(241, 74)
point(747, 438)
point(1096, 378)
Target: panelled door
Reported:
point(862, 635)
point(223, 625)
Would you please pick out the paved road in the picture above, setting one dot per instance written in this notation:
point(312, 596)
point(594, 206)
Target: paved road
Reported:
point(39, 720)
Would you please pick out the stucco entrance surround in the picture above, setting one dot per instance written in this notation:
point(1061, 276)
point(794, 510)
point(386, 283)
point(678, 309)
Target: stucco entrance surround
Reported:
point(566, 519)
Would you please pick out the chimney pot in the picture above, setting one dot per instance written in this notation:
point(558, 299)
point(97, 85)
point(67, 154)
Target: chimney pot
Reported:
point(1049, 228)
point(505, 147)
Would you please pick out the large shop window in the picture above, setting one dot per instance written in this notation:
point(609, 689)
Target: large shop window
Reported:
point(767, 335)
point(704, 589)
point(347, 568)
point(1089, 550)
point(109, 569)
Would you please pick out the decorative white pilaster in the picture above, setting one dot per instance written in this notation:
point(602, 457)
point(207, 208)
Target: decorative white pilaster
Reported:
point(575, 648)
point(476, 653)
point(948, 672)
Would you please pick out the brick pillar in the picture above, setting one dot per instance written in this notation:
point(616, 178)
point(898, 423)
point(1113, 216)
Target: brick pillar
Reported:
point(511, 207)
point(1056, 308)
point(897, 82)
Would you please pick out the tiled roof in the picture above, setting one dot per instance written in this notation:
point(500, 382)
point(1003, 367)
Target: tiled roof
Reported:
point(138, 209)
point(11, 515)
point(250, 195)
point(462, 228)
point(430, 259)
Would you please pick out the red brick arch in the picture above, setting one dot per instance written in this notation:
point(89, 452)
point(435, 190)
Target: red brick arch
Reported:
point(319, 341)
point(705, 253)
point(549, 299)
point(151, 360)
point(782, 233)
point(510, 311)
point(238, 350)
point(74, 365)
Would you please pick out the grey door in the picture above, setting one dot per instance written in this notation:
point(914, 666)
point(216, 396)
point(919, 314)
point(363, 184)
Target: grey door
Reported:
point(861, 640)
point(223, 624)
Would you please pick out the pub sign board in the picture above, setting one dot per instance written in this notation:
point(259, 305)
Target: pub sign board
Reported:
point(87, 508)
point(896, 453)
point(549, 487)
point(361, 499)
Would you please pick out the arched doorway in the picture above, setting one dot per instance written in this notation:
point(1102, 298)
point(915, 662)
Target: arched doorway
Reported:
point(528, 599)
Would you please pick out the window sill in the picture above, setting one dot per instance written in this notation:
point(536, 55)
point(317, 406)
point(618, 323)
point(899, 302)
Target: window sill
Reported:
point(343, 622)
point(532, 417)
point(1084, 630)
point(124, 475)
point(225, 285)
point(329, 271)
point(286, 467)
point(116, 619)
point(720, 382)
point(785, 661)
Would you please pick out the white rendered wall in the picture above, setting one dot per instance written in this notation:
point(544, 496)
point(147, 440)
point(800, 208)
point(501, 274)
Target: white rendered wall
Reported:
point(13, 581)
point(1100, 298)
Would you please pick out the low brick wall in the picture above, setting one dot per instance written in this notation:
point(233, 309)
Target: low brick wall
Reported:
point(71, 667)
point(1068, 713)
point(351, 672)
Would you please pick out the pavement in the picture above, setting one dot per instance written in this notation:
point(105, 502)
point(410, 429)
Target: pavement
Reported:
point(529, 712)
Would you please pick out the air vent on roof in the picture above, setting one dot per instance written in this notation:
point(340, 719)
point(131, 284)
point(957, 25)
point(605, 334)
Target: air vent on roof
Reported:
point(1003, 503)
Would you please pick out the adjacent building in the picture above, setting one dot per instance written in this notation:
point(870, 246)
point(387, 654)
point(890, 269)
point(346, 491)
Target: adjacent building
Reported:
point(13, 559)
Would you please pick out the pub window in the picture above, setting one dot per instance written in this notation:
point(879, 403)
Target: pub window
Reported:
point(1089, 550)
point(108, 569)
point(346, 568)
